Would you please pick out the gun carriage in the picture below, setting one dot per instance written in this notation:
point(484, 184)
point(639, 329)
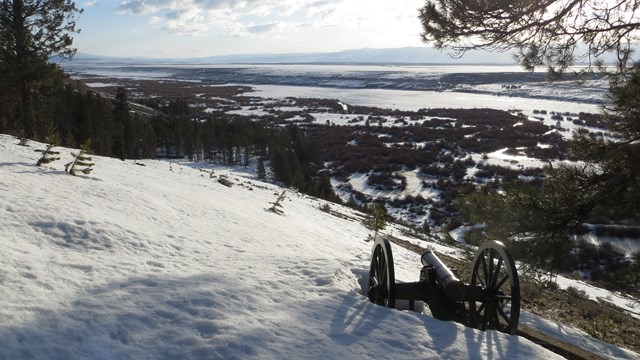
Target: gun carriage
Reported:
point(491, 300)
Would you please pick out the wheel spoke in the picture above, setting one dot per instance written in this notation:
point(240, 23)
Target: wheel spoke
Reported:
point(477, 277)
point(499, 285)
point(494, 279)
point(487, 316)
point(373, 273)
point(490, 274)
point(381, 274)
point(494, 270)
point(484, 268)
point(490, 315)
point(480, 309)
point(496, 318)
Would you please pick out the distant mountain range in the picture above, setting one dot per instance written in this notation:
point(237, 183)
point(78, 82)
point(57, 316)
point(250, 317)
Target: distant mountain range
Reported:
point(405, 55)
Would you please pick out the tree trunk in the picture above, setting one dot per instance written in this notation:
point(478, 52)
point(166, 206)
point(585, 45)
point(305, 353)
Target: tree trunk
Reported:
point(22, 64)
point(26, 105)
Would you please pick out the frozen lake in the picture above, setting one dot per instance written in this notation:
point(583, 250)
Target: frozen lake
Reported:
point(411, 100)
point(410, 87)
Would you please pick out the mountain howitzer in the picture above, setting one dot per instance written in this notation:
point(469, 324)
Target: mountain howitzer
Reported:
point(491, 300)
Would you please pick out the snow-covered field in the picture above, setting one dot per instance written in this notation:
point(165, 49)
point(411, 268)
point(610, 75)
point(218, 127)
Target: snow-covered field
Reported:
point(404, 87)
point(158, 260)
point(412, 100)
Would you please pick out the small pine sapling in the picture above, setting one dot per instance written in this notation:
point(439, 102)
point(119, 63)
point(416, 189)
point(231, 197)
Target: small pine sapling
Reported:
point(23, 141)
point(376, 220)
point(224, 181)
point(277, 205)
point(81, 161)
point(49, 155)
point(325, 207)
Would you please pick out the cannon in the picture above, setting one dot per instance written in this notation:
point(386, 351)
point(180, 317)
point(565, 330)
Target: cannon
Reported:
point(491, 300)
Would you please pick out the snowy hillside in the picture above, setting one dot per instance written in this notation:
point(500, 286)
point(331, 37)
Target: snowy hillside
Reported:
point(158, 260)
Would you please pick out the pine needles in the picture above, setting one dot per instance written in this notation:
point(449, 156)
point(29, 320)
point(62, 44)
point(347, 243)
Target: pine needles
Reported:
point(81, 161)
point(375, 220)
point(48, 155)
point(277, 205)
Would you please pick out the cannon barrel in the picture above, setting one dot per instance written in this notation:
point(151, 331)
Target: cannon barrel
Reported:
point(454, 289)
point(444, 274)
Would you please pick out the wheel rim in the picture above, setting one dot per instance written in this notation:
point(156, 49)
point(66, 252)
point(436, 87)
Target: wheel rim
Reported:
point(494, 270)
point(381, 275)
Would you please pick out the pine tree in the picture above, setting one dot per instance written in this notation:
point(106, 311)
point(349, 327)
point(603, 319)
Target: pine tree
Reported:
point(554, 33)
point(376, 219)
point(31, 32)
point(52, 141)
point(122, 120)
point(48, 155)
point(352, 203)
point(70, 141)
point(262, 173)
point(80, 160)
point(277, 205)
point(247, 155)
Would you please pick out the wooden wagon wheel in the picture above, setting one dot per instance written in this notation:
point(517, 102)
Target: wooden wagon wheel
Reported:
point(381, 275)
point(494, 270)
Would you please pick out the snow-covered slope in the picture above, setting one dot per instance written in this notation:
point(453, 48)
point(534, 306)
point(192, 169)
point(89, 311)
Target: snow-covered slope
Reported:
point(162, 261)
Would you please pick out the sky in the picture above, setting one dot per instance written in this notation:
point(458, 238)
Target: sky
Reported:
point(198, 28)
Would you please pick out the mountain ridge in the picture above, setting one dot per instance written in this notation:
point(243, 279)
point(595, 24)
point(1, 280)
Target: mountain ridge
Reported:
point(404, 55)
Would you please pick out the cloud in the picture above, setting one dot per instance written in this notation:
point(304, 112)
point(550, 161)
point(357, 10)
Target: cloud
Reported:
point(141, 7)
point(261, 30)
point(265, 27)
point(237, 7)
point(380, 20)
point(238, 17)
point(89, 4)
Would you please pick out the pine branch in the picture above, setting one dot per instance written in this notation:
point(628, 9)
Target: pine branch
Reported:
point(80, 160)
point(48, 155)
point(277, 205)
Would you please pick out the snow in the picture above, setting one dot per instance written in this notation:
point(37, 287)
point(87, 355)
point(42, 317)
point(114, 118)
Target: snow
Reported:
point(414, 184)
point(247, 111)
point(101, 85)
point(158, 260)
point(411, 100)
point(627, 245)
point(630, 305)
point(501, 158)
point(576, 337)
point(358, 182)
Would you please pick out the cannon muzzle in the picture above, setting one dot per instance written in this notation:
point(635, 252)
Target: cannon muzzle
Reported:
point(454, 289)
point(443, 273)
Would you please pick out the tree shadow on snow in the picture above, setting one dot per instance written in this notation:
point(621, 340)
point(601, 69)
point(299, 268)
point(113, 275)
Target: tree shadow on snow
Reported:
point(443, 336)
point(355, 319)
point(221, 317)
point(185, 318)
